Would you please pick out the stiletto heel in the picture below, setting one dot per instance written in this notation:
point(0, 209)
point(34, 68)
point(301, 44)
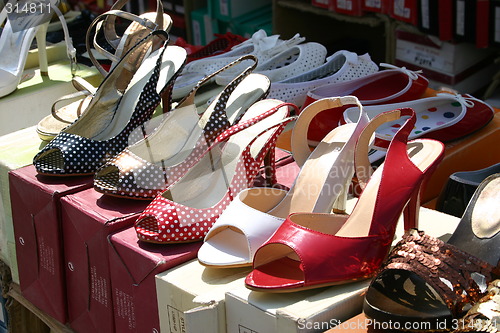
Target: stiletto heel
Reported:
point(42, 49)
point(410, 212)
point(256, 213)
point(15, 41)
point(311, 250)
point(270, 168)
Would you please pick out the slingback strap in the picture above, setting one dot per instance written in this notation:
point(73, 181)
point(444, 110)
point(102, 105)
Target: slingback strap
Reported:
point(224, 136)
point(299, 145)
point(362, 164)
point(189, 99)
point(108, 20)
point(83, 89)
point(444, 267)
point(109, 23)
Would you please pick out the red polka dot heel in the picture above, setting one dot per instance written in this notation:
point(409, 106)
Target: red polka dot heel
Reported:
point(125, 100)
point(145, 169)
point(444, 117)
point(187, 209)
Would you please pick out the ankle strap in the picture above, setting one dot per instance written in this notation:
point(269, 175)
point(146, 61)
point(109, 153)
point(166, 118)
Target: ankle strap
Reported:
point(299, 145)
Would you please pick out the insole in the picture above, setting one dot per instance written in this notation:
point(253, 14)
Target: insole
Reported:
point(203, 187)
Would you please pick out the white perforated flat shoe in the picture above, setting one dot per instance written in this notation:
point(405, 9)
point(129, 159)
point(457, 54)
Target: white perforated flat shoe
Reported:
point(289, 63)
point(341, 66)
point(260, 45)
point(255, 214)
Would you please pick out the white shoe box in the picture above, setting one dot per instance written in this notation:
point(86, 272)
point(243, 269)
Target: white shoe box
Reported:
point(315, 310)
point(191, 297)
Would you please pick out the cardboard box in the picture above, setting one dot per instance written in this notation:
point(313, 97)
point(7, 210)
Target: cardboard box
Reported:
point(465, 21)
point(191, 297)
point(404, 10)
point(36, 209)
point(321, 3)
point(428, 16)
point(378, 6)
point(430, 53)
point(35, 95)
point(16, 150)
point(88, 217)
point(348, 7)
point(494, 27)
point(227, 10)
point(314, 310)
point(133, 265)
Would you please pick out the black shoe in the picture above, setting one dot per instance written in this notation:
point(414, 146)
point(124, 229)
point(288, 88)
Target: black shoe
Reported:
point(459, 189)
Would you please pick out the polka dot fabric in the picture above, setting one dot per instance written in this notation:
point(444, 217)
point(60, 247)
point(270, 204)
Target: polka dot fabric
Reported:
point(167, 221)
point(444, 117)
point(341, 66)
point(71, 154)
point(145, 180)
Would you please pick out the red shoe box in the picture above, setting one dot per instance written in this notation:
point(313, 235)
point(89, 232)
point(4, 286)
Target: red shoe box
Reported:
point(482, 23)
point(428, 16)
point(133, 266)
point(321, 3)
point(494, 27)
point(348, 7)
point(446, 20)
point(36, 212)
point(404, 10)
point(377, 6)
point(87, 219)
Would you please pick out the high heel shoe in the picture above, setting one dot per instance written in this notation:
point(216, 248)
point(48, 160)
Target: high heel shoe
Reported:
point(425, 280)
point(17, 36)
point(314, 250)
point(125, 100)
point(187, 209)
point(146, 168)
point(139, 28)
point(255, 214)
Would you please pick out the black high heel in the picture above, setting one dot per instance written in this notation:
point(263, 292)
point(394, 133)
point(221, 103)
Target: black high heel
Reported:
point(426, 282)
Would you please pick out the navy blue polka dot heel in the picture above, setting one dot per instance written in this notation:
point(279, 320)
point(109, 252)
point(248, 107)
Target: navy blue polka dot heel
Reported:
point(125, 100)
point(145, 169)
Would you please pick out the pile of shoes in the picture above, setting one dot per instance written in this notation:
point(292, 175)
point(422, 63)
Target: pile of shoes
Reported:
point(197, 162)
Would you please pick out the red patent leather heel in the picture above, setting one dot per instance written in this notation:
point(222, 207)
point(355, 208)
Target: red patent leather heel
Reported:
point(311, 250)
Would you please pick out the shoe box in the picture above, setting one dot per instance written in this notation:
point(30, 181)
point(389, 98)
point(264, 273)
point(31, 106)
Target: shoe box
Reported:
point(133, 265)
point(315, 310)
point(203, 26)
point(191, 297)
point(403, 10)
point(16, 150)
point(87, 218)
point(227, 10)
point(348, 7)
point(35, 214)
point(460, 66)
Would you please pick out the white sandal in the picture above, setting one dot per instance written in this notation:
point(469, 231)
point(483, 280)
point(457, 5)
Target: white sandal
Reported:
point(321, 186)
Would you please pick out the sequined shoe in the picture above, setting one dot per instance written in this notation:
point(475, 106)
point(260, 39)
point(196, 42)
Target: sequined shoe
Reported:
point(427, 281)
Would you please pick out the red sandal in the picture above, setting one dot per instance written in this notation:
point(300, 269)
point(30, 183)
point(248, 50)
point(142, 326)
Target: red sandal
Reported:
point(314, 250)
